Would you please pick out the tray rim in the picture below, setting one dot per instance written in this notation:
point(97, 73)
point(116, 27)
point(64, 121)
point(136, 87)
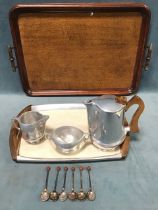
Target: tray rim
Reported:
point(14, 142)
point(22, 8)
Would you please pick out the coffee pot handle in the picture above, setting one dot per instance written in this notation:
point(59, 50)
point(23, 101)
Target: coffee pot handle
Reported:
point(14, 122)
point(134, 121)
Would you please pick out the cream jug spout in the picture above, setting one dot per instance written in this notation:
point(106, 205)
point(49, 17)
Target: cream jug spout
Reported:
point(45, 118)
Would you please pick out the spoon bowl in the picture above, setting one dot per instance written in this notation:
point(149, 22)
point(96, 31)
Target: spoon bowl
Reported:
point(44, 195)
point(54, 196)
point(81, 196)
point(91, 195)
point(63, 196)
point(72, 196)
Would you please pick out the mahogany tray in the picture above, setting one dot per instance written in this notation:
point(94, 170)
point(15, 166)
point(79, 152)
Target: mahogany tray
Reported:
point(80, 48)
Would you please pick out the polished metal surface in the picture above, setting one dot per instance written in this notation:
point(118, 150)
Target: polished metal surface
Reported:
point(112, 146)
point(90, 157)
point(63, 195)
point(45, 194)
point(54, 195)
point(90, 194)
point(81, 195)
point(73, 195)
point(69, 139)
point(107, 103)
point(148, 57)
point(32, 126)
point(11, 53)
point(106, 121)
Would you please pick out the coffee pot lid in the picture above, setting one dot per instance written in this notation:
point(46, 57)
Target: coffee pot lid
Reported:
point(108, 103)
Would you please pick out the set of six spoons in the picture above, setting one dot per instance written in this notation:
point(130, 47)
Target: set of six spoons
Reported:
point(63, 195)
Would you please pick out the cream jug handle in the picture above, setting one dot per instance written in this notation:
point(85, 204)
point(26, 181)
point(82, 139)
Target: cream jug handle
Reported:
point(134, 121)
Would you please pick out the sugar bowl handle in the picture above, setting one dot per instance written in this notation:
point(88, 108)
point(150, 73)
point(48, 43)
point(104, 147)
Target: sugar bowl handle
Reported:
point(134, 121)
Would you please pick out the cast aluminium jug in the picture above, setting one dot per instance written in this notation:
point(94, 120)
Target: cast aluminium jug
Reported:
point(106, 119)
point(32, 126)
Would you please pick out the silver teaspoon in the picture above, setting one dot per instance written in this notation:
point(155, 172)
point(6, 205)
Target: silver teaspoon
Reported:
point(72, 195)
point(90, 194)
point(54, 195)
point(63, 194)
point(45, 194)
point(81, 194)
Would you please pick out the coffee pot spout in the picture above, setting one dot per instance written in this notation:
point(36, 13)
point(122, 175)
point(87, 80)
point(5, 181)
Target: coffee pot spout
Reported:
point(88, 103)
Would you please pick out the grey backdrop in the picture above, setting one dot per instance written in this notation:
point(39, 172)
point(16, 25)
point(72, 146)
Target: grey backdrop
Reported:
point(129, 184)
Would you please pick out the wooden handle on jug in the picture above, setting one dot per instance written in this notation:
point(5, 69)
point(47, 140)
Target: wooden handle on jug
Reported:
point(134, 121)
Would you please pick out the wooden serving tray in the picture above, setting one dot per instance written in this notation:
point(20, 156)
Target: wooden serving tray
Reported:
point(60, 115)
point(80, 48)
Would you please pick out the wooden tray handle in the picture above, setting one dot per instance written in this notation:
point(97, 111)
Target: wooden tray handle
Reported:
point(134, 121)
point(14, 138)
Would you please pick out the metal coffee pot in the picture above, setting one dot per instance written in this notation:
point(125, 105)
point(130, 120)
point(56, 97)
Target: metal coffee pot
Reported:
point(106, 119)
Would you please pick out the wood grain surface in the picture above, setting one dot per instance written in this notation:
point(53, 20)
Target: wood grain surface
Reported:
point(80, 50)
point(15, 136)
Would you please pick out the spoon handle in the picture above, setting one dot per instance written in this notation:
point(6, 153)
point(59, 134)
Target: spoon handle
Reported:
point(56, 180)
point(65, 169)
point(73, 178)
point(90, 183)
point(81, 182)
point(47, 176)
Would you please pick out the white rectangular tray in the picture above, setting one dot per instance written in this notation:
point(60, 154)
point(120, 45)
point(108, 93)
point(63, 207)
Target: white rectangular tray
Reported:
point(60, 115)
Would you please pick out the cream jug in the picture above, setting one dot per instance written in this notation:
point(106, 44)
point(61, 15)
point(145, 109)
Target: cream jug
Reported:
point(106, 119)
point(32, 126)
